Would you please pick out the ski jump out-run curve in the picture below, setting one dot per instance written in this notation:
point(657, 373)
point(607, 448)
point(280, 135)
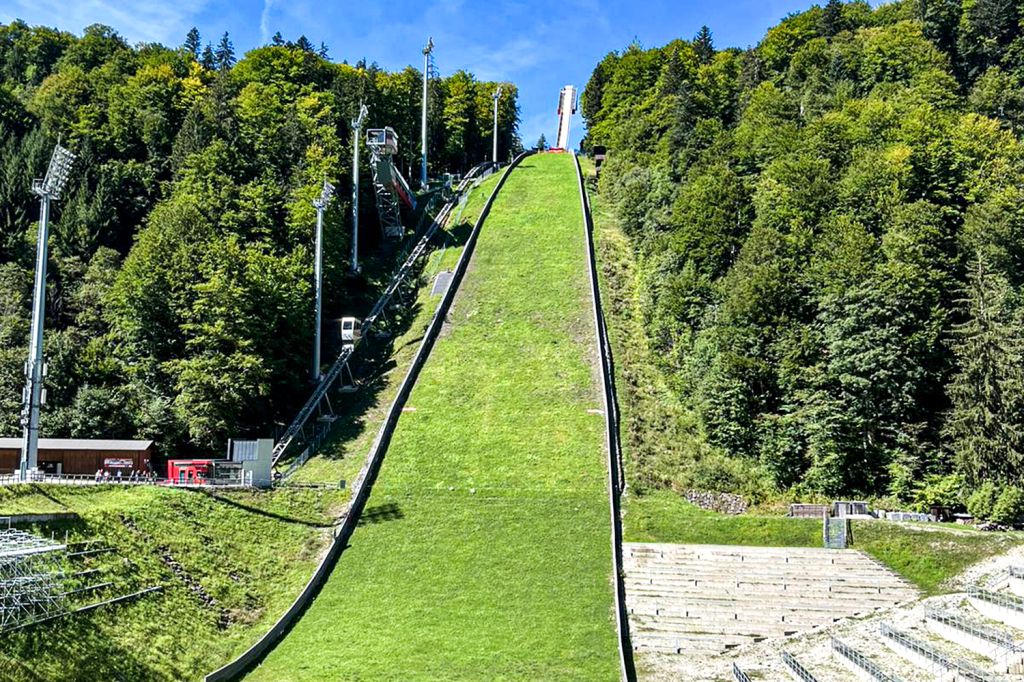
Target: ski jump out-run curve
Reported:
point(552, 527)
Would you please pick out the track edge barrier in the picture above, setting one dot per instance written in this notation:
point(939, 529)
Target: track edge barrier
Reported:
point(627, 666)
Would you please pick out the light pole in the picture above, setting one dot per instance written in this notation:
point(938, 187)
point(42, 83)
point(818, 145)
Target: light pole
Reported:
point(497, 96)
point(427, 51)
point(320, 203)
point(357, 127)
point(48, 188)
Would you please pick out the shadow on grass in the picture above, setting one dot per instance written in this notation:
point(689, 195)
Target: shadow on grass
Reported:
point(263, 512)
point(382, 513)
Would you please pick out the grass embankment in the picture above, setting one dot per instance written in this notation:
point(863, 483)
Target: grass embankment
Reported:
point(659, 439)
point(484, 550)
point(250, 552)
point(361, 414)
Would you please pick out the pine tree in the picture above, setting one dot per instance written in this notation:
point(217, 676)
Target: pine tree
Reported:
point(986, 423)
point(832, 20)
point(704, 46)
point(224, 56)
point(208, 61)
point(542, 143)
point(192, 42)
point(303, 44)
point(322, 52)
point(277, 40)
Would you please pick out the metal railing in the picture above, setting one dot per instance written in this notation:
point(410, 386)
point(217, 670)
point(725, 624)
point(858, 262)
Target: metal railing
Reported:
point(796, 668)
point(1001, 599)
point(1001, 638)
point(1016, 571)
point(296, 427)
point(964, 669)
point(861, 661)
point(738, 675)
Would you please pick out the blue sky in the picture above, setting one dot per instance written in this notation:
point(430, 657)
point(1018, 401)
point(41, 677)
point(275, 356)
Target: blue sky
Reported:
point(538, 45)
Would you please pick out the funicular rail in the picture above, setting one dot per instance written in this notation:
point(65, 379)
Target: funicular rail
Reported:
point(293, 433)
point(364, 481)
point(616, 475)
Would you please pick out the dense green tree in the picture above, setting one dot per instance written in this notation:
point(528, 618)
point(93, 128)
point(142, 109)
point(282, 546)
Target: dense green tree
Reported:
point(802, 215)
point(193, 43)
point(224, 55)
point(986, 424)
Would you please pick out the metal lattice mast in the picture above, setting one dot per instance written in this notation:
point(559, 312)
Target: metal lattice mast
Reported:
point(49, 188)
point(320, 203)
point(357, 131)
point(428, 68)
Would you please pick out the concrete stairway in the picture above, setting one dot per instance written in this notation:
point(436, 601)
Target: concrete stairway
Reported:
point(706, 599)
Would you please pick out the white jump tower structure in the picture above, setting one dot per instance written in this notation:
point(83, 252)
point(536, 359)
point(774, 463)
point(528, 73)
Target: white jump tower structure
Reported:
point(567, 104)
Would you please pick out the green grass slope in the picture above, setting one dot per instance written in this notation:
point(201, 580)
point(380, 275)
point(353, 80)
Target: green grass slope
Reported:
point(250, 553)
point(484, 549)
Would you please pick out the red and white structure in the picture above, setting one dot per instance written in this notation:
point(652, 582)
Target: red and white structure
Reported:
point(567, 104)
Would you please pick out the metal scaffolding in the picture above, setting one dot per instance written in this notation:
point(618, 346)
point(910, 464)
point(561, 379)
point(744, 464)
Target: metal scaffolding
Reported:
point(31, 580)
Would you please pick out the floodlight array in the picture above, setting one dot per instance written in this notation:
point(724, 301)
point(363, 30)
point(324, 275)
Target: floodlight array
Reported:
point(57, 174)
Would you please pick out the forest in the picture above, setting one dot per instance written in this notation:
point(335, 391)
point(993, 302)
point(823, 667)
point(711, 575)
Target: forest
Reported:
point(179, 303)
point(828, 230)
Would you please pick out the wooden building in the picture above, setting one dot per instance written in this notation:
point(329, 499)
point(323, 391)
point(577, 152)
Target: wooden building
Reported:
point(80, 456)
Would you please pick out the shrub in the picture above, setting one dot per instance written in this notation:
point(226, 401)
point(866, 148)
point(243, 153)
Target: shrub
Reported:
point(1009, 506)
point(982, 500)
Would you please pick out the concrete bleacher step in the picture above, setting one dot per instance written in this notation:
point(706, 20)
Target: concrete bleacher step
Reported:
point(690, 599)
point(842, 601)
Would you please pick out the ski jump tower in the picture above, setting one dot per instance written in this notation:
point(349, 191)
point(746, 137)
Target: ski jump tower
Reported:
point(567, 103)
point(390, 187)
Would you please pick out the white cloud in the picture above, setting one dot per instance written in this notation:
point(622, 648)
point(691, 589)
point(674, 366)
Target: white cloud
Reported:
point(136, 20)
point(265, 21)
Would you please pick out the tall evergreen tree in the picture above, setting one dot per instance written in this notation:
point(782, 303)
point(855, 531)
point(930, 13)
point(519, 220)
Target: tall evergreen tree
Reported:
point(192, 42)
point(704, 46)
point(277, 40)
point(832, 20)
point(208, 60)
point(542, 143)
point(224, 56)
point(303, 44)
point(986, 423)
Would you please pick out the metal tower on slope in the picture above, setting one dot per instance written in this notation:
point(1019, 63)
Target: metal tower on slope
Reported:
point(567, 104)
point(389, 186)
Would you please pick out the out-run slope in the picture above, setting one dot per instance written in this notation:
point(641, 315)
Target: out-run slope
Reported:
point(484, 550)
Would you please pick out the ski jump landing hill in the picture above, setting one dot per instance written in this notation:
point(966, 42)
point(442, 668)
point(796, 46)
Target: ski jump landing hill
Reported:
point(486, 544)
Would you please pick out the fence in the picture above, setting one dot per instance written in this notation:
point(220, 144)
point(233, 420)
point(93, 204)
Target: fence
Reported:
point(1001, 599)
point(858, 659)
point(738, 675)
point(1001, 638)
point(797, 669)
point(929, 654)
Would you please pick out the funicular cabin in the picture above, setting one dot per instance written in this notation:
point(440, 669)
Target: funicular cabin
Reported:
point(76, 456)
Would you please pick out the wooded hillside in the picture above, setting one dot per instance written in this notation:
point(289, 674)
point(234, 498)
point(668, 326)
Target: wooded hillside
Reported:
point(828, 229)
point(180, 298)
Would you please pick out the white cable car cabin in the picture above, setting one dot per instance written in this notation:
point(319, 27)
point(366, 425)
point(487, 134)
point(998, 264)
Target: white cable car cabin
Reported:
point(351, 330)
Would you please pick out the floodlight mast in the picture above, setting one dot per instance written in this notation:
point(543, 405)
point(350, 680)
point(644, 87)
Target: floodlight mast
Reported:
point(320, 203)
point(357, 128)
point(427, 51)
point(49, 188)
point(497, 96)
